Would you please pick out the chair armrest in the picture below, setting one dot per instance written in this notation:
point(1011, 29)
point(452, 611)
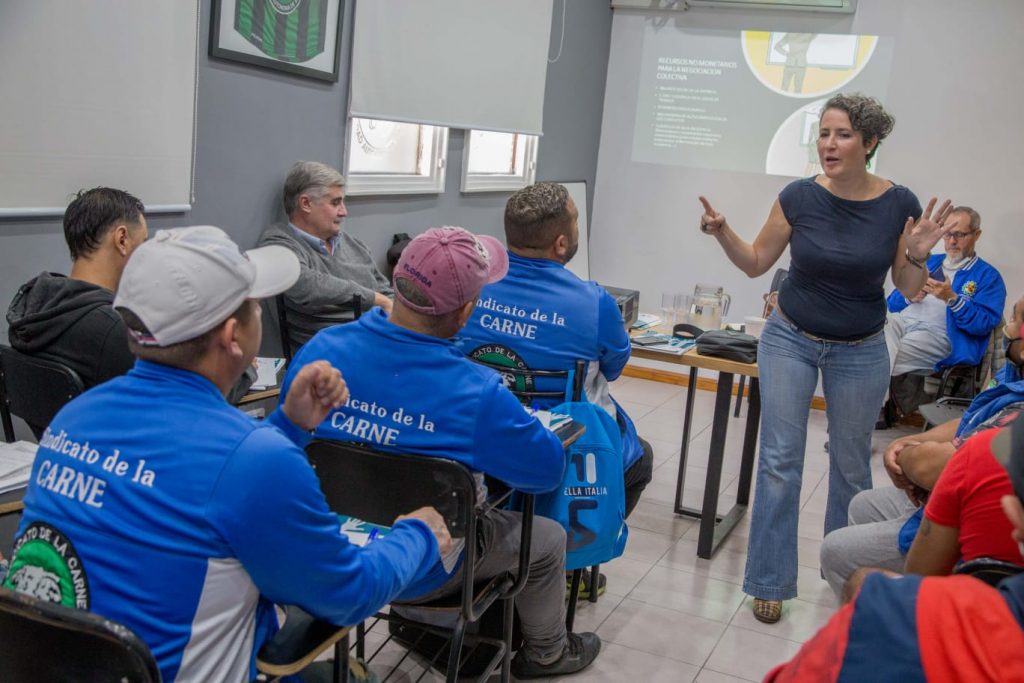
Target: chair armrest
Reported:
point(953, 401)
point(299, 642)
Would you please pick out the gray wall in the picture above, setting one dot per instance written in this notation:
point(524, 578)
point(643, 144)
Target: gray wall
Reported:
point(252, 124)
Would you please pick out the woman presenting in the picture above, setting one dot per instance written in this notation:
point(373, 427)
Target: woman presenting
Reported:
point(845, 229)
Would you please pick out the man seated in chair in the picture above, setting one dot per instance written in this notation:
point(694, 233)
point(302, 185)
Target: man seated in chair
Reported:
point(413, 391)
point(155, 503)
point(962, 518)
point(884, 521)
point(335, 265)
point(951, 320)
point(542, 317)
point(913, 628)
point(71, 319)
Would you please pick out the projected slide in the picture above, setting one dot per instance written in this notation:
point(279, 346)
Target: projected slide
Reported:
point(747, 100)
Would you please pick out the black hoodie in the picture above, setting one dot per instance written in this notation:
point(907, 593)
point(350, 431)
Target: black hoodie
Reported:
point(72, 322)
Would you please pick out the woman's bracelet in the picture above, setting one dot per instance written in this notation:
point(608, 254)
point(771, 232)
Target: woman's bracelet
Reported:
point(913, 261)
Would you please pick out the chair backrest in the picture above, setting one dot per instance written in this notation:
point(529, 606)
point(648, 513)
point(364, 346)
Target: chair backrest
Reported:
point(48, 643)
point(520, 381)
point(284, 329)
point(377, 487)
point(989, 570)
point(34, 389)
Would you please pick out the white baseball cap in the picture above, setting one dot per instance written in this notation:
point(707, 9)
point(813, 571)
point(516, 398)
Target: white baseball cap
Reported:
point(185, 281)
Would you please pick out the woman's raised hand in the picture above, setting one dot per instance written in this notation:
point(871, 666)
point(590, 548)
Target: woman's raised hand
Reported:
point(712, 222)
point(925, 233)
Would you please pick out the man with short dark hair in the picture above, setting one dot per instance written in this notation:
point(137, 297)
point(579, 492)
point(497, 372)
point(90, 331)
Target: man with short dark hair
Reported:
point(335, 265)
point(70, 319)
point(414, 392)
point(542, 317)
point(155, 503)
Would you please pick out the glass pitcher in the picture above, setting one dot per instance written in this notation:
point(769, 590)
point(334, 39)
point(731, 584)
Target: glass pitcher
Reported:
point(710, 305)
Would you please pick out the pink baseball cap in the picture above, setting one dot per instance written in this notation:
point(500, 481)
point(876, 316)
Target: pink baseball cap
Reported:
point(449, 266)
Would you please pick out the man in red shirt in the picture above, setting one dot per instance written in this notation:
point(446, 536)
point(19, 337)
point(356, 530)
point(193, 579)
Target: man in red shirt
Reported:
point(964, 518)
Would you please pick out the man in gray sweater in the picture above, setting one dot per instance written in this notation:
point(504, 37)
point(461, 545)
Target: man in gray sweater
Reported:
point(334, 265)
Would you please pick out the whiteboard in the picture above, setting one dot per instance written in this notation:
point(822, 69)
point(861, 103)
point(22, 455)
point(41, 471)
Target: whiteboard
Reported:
point(580, 263)
point(96, 93)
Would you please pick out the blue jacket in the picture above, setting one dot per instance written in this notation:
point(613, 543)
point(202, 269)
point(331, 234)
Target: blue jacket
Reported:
point(413, 393)
point(156, 504)
point(977, 309)
point(542, 317)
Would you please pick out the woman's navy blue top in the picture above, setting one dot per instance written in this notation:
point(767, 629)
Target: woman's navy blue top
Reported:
point(840, 252)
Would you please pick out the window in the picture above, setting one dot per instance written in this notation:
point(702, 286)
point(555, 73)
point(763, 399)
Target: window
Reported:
point(387, 157)
point(498, 161)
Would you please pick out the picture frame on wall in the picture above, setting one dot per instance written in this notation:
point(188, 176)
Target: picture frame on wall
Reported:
point(300, 37)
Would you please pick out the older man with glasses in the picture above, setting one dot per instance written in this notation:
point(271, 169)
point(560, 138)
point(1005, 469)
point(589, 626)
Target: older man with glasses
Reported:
point(950, 320)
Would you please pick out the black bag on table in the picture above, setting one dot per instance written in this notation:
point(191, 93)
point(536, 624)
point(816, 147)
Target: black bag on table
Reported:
point(728, 344)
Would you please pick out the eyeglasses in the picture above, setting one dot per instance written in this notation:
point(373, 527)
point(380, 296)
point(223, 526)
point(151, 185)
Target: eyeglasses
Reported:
point(957, 235)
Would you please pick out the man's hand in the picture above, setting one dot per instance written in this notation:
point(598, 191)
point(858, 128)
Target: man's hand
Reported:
point(892, 468)
point(383, 301)
point(433, 519)
point(317, 389)
point(940, 289)
point(919, 297)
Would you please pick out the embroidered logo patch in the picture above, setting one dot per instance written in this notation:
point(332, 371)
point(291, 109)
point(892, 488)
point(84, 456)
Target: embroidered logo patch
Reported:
point(969, 288)
point(504, 357)
point(46, 566)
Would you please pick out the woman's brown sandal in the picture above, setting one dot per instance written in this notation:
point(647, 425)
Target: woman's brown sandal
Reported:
point(767, 611)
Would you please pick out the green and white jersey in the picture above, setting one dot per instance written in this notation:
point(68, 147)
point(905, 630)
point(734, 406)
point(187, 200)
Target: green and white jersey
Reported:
point(287, 30)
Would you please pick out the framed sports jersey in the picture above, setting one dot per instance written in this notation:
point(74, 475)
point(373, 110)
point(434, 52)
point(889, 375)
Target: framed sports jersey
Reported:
point(297, 36)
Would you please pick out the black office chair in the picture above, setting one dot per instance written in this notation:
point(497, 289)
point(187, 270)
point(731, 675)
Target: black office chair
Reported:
point(288, 345)
point(33, 389)
point(378, 487)
point(989, 570)
point(521, 382)
point(959, 384)
point(48, 643)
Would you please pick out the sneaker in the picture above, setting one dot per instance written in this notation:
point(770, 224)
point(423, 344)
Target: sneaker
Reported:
point(602, 584)
point(580, 650)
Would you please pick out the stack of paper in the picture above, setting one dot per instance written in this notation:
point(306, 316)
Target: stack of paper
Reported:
point(361, 533)
point(16, 464)
point(645, 321)
point(665, 343)
point(267, 373)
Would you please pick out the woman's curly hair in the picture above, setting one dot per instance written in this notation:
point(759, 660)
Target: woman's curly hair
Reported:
point(867, 116)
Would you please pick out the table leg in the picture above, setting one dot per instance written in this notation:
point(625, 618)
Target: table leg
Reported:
point(684, 447)
point(749, 443)
point(716, 454)
point(739, 395)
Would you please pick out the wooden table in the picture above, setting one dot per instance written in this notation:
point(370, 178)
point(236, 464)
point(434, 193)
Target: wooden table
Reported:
point(714, 527)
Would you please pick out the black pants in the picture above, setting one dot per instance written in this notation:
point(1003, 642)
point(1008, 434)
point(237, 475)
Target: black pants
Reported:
point(638, 476)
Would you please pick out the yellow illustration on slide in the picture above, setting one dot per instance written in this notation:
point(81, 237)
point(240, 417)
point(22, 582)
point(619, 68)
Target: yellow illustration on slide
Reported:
point(805, 64)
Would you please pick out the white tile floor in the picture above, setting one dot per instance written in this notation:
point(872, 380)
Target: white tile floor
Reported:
point(670, 616)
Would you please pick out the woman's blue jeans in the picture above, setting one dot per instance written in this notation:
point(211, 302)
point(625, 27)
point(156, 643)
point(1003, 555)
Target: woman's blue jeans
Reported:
point(855, 376)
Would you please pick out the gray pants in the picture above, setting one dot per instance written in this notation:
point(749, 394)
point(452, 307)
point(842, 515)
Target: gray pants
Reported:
point(541, 604)
point(871, 539)
point(913, 345)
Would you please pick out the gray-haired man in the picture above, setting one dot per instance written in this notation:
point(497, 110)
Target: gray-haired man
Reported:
point(335, 266)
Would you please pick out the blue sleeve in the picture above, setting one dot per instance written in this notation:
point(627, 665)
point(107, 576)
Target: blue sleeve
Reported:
point(269, 508)
point(896, 301)
point(296, 434)
point(513, 445)
point(980, 314)
point(612, 335)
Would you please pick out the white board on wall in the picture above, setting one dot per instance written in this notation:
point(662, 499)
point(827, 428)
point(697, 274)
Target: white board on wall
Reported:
point(96, 94)
point(580, 263)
